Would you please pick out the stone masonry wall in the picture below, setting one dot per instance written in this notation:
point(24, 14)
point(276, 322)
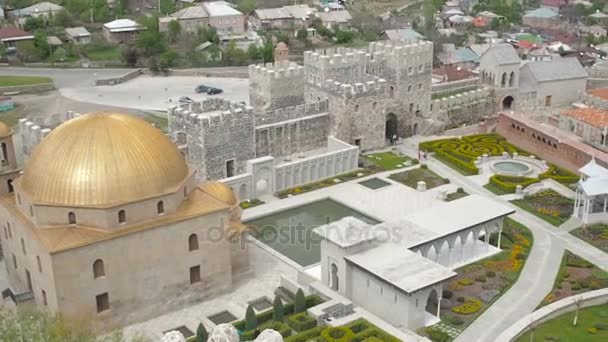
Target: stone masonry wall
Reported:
point(292, 136)
point(465, 108)
point(276, 85)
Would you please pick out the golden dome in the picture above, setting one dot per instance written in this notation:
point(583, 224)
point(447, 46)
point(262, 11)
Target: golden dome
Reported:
point(5, 131)
point(220, 192)
point(102, 160)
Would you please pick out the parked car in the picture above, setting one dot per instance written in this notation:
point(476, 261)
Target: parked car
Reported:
point(201, 89)
point(185, 99)
point(214, 91)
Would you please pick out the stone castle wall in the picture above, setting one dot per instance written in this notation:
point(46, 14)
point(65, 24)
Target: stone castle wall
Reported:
point(33, 129)
point(464, 108)
point(276, 85)
point(216, 132)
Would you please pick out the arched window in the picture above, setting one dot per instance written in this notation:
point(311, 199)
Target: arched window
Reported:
point(503, 80)
point(160, 207)
point(23, 246)
point(391, 91)
point(98, 269)
point(193, 242)
point(71, 218)
point(511, 79)
point(374, 105)
point(122, 216)
point(10, 185)
point(356, 108)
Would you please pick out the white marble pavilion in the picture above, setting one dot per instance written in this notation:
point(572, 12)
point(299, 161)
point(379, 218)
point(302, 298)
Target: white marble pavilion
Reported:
point(591, 199)
point(397, 270)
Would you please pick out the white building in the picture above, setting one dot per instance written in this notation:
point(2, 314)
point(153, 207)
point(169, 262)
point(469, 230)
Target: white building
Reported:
point(591, 199)
point(78, 35)
point(397, 270)
point(41, 9)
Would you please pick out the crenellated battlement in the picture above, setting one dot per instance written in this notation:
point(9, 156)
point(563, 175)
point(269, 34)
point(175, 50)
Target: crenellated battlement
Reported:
point(322, 60)
point(281, 69)
point(210, 112)
point(351, 90)
point(290, 113)
point(464, 99)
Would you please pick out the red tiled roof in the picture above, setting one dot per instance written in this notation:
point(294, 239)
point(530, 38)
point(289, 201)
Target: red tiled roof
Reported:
point(12, 32)
point(593, 116)
point(453, 73)
point(480, 22)
point(524, 44)
point(600, 92)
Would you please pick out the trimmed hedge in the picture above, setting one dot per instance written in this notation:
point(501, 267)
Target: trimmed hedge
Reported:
point(337, 334)
point(305, 335)
point(288, 309)
point(509, 183)
point(301, 322)
point(559, 175)
point(280, 327)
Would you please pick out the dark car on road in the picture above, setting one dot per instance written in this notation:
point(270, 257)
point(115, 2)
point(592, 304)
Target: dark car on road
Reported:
point(214, 91)
point(201, 89)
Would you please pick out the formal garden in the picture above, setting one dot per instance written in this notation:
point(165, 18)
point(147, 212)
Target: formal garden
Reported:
point(295, 325)
point(596, 235)
point(422, 173)
point(576, 275)
point(461, 154)
point(591, 326)
point(251, 203)
point(547, 205)
point(478, 285)
point(459, 193)
point(386, 161)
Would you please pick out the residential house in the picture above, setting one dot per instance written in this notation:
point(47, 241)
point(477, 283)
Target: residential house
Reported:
point(541, 53)
point(554, 83)
point(121, 30)
point(599, 18)
point(450, 73)
point(53, 41)
point(286, 17)
point(458, 57)
point(403, 35)
point(10, 36)
point(596, 31)
point(541, 18)
point(210, 52)
point(554, 5)
point(78, 35)
point(590, 124)
point(41, 9)
point(219, 15)
point(333, 19)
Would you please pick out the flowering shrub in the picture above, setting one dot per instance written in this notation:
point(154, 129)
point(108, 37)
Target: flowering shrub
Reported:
point(470, 306)
point(592, 330)
point(465, 281)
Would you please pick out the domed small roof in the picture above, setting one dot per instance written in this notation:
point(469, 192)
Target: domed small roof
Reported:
point(220, 192)
point(102, 160)
point(282, 46)
point(5, 131)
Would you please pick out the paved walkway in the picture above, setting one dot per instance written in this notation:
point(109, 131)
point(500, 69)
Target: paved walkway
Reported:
point(538, 275)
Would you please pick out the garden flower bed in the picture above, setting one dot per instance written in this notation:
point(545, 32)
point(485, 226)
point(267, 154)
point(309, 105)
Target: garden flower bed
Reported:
point(412, 177)
point(596, 235)
point(479, 284)
point(251, 203)
point(389, 160)
point(592, 326)
point(576, 275)
point(547, 205)
point(324, 183)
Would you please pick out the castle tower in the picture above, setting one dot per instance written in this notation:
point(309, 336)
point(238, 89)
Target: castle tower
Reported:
point(276, 85)
point(281, 52)
point(8, 165)
point(499, 70)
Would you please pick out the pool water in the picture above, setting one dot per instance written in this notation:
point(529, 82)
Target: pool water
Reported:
point(375, 183)
point(290, 232)
point(511, 167)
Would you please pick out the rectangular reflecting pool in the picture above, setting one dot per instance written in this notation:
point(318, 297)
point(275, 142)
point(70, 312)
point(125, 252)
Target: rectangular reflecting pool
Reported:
point(290, 232)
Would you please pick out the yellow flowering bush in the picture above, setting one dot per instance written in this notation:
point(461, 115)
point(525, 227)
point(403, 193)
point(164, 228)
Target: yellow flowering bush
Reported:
point(470, 306)
point(592, 330)
point(465, 281)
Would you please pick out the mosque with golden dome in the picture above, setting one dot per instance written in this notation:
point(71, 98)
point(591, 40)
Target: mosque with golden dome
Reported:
point(106, 221)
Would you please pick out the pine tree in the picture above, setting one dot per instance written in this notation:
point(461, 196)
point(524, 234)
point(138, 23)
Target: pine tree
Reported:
point(277, 312)
point(300, 302)
point(251, 321)
point(201, 333)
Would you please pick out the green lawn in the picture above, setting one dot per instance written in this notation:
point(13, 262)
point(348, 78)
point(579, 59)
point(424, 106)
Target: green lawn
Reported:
point(495, 190)
point(104, 53)
point(12, 81)
point(525, 205)
point(412, 177)
point(389, 160)
point(561, 328)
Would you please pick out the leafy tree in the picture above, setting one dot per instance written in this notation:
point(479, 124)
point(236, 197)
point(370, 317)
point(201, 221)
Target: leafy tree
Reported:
point(175, 29)
point(277, 309)
point(151, 42)
point(167, 6)
point(60, 54)
point(2, 50)
point(282, 37)
point(201, 333)
point(251, 321)
point(268, 52)
point(343, 36)
point(247, 6)
point(129, 55)
point(63, 19)
point(302, 34)
point(168, 60)
point(34, 23)
point(233, 55)
point(208, 34)
point(41, 44)
point(300, 302)
point(253, 53)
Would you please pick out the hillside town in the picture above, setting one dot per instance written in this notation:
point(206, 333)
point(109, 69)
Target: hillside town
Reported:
point(319, 170)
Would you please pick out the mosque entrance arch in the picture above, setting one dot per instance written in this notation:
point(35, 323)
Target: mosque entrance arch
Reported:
point(432, 303)
point(507, 102)
point(391, 126)
point(334, 277)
